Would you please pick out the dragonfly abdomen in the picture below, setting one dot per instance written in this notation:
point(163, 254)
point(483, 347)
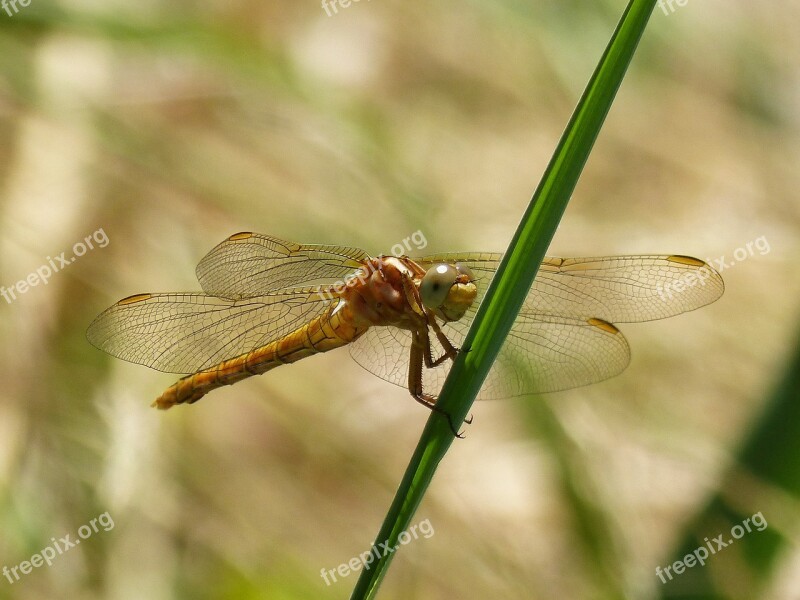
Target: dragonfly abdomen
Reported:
point(326, 332)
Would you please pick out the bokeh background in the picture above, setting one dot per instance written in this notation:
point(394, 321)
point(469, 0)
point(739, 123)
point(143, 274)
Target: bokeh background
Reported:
point(171, 125)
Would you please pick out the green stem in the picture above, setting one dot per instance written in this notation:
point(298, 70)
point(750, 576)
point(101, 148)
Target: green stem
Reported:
point(511, 284)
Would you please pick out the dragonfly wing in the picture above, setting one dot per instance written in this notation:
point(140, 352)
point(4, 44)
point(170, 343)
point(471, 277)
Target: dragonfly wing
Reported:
point(542, 354)
point(564, 337)
point(623, 289)
point(617, 289)
point(384, 351)
point(185, 333)
point(250, 264)
point(546, 353)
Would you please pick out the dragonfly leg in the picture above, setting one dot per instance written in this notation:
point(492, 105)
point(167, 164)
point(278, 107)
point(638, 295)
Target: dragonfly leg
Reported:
point(415, 302)
point(412, 295)
point(419, 354)
point(450, 351)
point(424, 341)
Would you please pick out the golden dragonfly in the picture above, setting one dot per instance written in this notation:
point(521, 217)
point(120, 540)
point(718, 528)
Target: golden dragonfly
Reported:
point(268, 302)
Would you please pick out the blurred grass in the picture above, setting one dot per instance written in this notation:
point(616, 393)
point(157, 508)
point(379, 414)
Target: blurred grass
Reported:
point(769, 465)
point(173, 125)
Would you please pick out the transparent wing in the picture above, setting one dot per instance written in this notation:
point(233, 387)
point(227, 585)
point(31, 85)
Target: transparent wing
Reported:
point(250, 264)
point(617, 289)
point(384, 351)
point(542, 354)
point(563, 337)
point(184, 333)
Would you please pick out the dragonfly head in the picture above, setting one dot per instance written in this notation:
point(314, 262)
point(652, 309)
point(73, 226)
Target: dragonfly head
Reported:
point(448, 290)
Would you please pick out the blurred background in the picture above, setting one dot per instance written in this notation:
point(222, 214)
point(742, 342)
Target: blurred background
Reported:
point(169, 126)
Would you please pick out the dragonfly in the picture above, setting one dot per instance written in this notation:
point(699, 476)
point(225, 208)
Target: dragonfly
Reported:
point(267, 302)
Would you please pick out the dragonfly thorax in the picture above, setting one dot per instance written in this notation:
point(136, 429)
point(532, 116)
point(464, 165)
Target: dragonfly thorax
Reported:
point(378, 295)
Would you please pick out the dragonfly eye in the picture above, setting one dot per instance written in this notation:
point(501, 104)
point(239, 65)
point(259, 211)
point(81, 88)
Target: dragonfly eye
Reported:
point(436, 284)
